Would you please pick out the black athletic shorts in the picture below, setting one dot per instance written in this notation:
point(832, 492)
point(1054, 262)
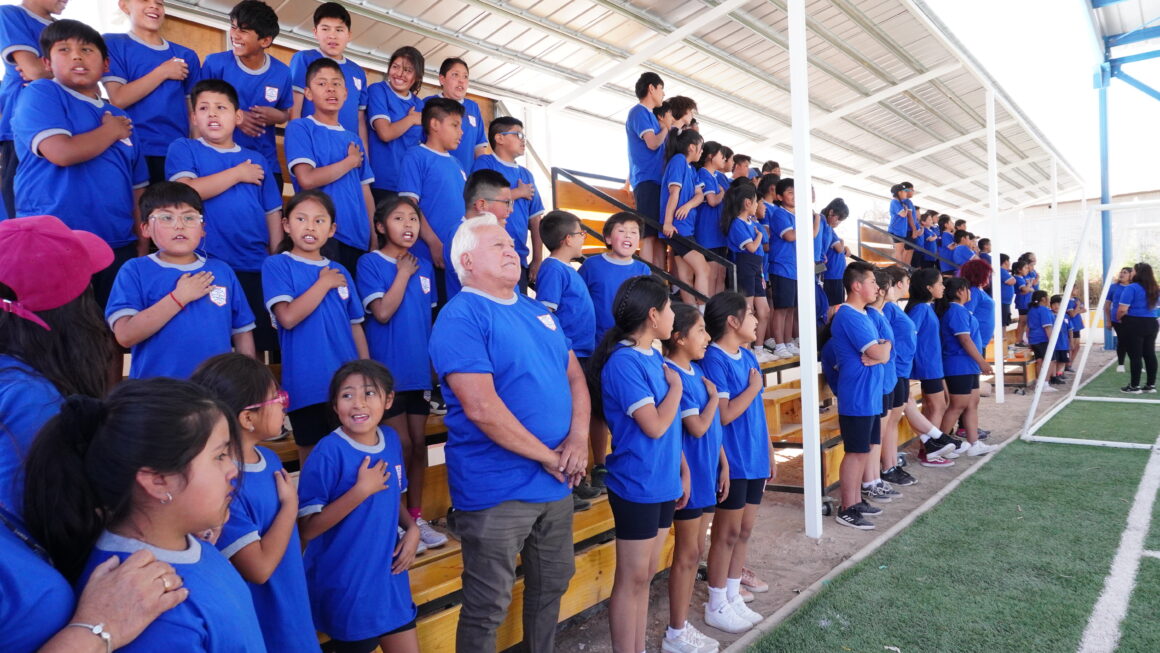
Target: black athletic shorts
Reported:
point(686, 514)
point(311, 423)
point(901, 392)
point(1040, 350)
point(363, 645)
point(962, 384)
point(784, 291)
point(679, 248)
point(410, 402)
point(750, 278)
point(932, 386)
point(742, 492)
point(859, 433)
point(648, 203)
point(640, 521)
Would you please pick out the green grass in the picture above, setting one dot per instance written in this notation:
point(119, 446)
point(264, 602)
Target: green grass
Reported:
point(1106, 384)
point(1088, 420)
point(1012, 560)
point(1139, 631)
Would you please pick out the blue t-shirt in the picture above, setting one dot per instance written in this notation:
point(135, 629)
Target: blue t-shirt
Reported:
point(436, 179)
point(956, 321)
point(887, 372)
point(946, 239)
point(523, 210)
point(383, 103)
point(268, 86)
point(236, 230)
point(644, 164)
point(218, 615)
point(1136, 299)
point(522, 346)
point(281, 602)
point(19, 31)
point(1022, 300)
point(356, 87)
point(318, 345)
point(1033, 277)
point(560, 288)
point(835, 260)
point(38, 601)
point(986, 256)
point(96, 195)
point(961, 254)
point(707, 222)
point(702, 453)
point(401, 343)
point(162, 116)
point(782, 254)
point(899, 224)
point(1114, 292)
point(640, 469)
point(309, 141)
point(1007, 291)
point(928, 348)
point(860, 386)
point(746, 439)
point(679, 173)
point(204, 328)
point(1039, 320)
point(983, 308)
point(741, 233)
point(474, 132)
point(603, 275)
point(1075, 322)
point(27, 401)
point(353, 593)
point(905, 341)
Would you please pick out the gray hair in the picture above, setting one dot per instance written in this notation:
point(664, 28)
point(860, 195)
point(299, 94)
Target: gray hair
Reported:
point(465, 240)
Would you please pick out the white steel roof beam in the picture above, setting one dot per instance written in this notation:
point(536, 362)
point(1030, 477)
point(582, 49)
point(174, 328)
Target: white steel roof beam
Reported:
point(915, 156)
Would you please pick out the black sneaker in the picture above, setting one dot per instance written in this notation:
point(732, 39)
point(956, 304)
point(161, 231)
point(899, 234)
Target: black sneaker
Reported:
point(596, 478)
point(585, 491)
point(578, 504)
point(1056, 380)
point(940, 446)
point(854, 519)
point(896, 476)
point(866, 509)
point(1132, 390)
point(983, 433)
point(1150, 389)
point(910, 480)
point(875, 493)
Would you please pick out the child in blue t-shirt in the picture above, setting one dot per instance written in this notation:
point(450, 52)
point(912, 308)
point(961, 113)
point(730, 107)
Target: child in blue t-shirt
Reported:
point(80, 159)
point(1007, 291)
point(261, 81)
point(238, 189)
point(681, 194)
point(874, 488)
point(782, 268)
point(926, 286)
point(902, 221)
point(175, 308)
point(1061, 357)
point(395, 113)
point(560, 287)
point(962, 363)
point(834, 213)
point(734, 370)
point(161, 452)
point(506, 137)
point(151, 79)
point(453, 79)
point(319, 323)
point(647, 476)
point(322, 154)
point(332, 29)
point(708, 466)
point(946, 234)
point(1111, 313)
point(20, 27)
point(1023, 289)
point(1075, 313)
point(964, 248)
point(397, 290)
point(349, 496)
point(707, 222)
point(261, 536)
point(744, 237)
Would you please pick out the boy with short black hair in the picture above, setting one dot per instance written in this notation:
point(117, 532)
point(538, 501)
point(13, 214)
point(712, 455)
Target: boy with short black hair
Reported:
point(771, 168)
point(1007, 293)
point(902, 221)
point(946, 244)
point(506, 137)
point(963, 250)
point(175, 308)
point(238, 189)
point(646, 159)
point(80, 159)
point(983, 245)
point(20, 27)
point(261, 81)
point(332, 30)
point(151, 79)
point(322, 154)
point(453, 79)
point(486, 192)
point(1040, 320)
point(560, 287)
point(741, 166)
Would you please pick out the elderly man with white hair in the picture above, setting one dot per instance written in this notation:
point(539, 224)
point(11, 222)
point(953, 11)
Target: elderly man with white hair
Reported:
point(517, 423)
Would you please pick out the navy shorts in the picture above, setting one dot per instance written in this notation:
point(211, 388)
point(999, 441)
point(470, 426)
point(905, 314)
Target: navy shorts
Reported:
point(1023, 311)
point(1040, 350)
point(310, 424)
point(409, 402)
point(648, 203)
point(784, 291)
point(860, 433)
point(679, 248)
point(750, 278)
point(1006, 314)
point(1061, 356)
point(686, 514)
point(364, 645)
point(901, 393)
point(932, 386)
point(962, 384)
point(640, 521)
point(742, 492)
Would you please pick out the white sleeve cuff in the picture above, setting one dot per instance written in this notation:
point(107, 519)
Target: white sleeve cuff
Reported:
point(867, 346)
point(40, 138)
point(6, 53)
point(277, 300)
point(301, 159)
point(306, 511)
point(689, 412)
point(636, 406)
point(124, 312)
point(240, 543)
point(113, 78)
point(551, 305)
point(370, 298)
point(248, 327)
point(379, 116)
point(184, 174)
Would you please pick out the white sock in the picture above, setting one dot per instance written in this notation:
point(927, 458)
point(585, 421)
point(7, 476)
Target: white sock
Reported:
point(717, 597)
point(933, 433)
point(867, 486)
point(878, 482)
point(701, 307)
point(923, 438)
point(673, 633)
point(732, 588)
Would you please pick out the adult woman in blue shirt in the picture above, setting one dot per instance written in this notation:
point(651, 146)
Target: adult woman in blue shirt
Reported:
point(1138, 326)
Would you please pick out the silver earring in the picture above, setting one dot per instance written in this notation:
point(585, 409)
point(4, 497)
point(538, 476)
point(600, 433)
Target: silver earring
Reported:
point(168, 499)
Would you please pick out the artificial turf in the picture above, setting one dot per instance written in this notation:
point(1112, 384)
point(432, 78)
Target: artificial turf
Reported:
point(1108, 384)
point(1012, 560)
point(1090, 420)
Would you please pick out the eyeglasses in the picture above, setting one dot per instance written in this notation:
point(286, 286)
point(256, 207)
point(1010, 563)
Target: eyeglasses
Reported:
point(496, 199)
point(282, 397)
point(170, 220)
point(576, 233)
point(519, 135)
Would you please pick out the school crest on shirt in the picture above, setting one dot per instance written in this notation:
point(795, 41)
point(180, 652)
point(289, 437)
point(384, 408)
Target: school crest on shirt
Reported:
point(471, 119)
point(357, 84)
point(344, 292)
point(217, 295)
point(425, 284)
point(547, 321)
point(271, 93)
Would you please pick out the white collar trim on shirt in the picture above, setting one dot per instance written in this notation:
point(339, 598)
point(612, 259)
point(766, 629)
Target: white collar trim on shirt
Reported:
point(337, 60)
point(160, 48)
point(862, 311)
point(96, 102)
point(375, 448)
point(320, 263)
point(337, 128)
point(187, 267)
point(408, 96)
point(43, 21)
point(261, 70)
point(223, 150)
point(463, 101)
point(647, 351)
point(391, 259)
point(616, 261)
point(687, 371)
point(114, 543)
point(258, 466)
point(424, 146)
point(500, 161)
point(506, 302)
point(735, 357)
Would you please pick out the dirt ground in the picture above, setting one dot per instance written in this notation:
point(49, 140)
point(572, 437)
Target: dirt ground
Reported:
point(782, 555)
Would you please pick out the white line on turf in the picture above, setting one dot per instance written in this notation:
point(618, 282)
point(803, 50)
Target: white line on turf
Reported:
point(1103, 629)
point(1152, 554)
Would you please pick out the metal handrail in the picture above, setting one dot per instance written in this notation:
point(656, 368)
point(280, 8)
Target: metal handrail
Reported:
point(894, 238)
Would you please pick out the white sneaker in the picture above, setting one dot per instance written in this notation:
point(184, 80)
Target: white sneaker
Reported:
point(690, 641)
point(726, 618)
point(793, 348)
point(964, 447)
point(980, 448)
point(743, 611)
point(770, 344)
point(1120, 369)
point(782, 351)
point(419, 549)
point(428, 536)
point(763, 356)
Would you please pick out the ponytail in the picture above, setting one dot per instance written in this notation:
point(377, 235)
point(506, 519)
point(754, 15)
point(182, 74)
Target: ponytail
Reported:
point(920, 283)
point(720, 308)
point(954, 285)
point(734, 201)
point(635, 297)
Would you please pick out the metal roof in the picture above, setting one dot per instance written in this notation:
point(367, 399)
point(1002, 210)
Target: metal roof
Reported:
point(894, 95)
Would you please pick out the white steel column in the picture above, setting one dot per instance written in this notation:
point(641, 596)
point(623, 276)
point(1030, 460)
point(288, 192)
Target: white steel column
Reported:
point(1000, 332)
point(804, 247)
point(1055, 222)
